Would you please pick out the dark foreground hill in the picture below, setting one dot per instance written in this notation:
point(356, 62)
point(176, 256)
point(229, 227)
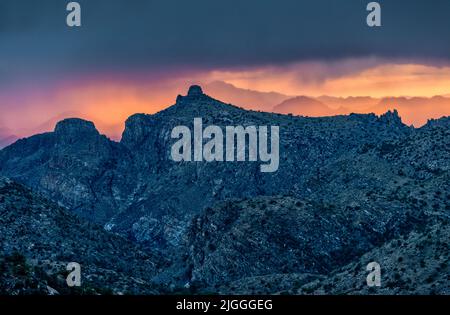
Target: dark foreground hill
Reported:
point(346, 186)
point(417, 263)
point(38, 239)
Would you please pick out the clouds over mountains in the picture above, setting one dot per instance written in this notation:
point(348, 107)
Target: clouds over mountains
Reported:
point(172, 35)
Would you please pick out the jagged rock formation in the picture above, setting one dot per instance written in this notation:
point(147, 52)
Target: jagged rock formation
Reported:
point(345, 186)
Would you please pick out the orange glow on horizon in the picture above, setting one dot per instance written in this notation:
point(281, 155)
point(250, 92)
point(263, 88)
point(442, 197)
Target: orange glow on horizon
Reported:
point(386, 80)
point(110, 102)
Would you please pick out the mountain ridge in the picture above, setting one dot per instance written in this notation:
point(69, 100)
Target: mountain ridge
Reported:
point(379, 176)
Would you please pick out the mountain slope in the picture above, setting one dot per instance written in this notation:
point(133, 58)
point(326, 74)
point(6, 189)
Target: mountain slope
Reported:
point(7, 140)
point(6, 137)
point(38, 239)
point(283, 235)
point(418, 263)
point(414, 264)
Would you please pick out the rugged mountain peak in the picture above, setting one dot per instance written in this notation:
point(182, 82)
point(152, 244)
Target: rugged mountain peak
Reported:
point(441, 122)
point(391, 118)
point(136, 129)
point(195, 90)
point(75, 126)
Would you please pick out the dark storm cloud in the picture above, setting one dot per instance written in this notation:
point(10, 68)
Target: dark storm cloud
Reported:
point(173, 34)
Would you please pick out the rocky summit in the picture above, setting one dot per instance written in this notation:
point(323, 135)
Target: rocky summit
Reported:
point(347, 186)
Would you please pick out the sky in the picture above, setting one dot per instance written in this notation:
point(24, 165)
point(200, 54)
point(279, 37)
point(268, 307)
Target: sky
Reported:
point(136, 56)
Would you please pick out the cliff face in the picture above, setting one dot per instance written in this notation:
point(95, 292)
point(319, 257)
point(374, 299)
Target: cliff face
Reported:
point(345, 185)
point(73, 165)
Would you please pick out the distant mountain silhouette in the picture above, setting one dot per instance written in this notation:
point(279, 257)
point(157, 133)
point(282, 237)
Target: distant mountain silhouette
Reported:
point(413, 110)
point(114, 130)
point(416, 110)
point(352, 104)
point(248, 99)
point(305, 106)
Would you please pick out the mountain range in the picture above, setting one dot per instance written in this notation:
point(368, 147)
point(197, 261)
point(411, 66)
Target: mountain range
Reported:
point(414, 110)
point(348, 186)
